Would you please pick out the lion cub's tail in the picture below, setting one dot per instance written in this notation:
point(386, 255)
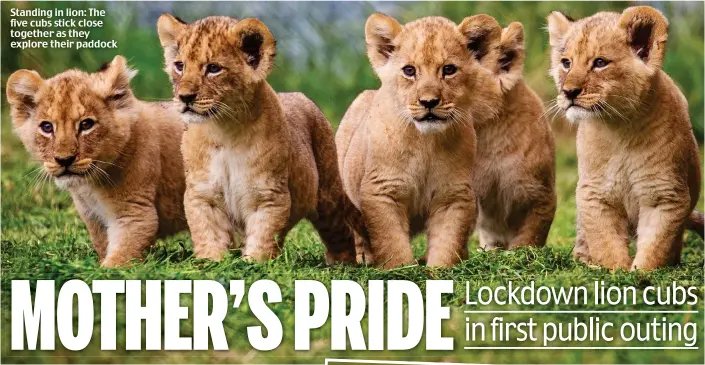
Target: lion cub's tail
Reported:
point(696, 222)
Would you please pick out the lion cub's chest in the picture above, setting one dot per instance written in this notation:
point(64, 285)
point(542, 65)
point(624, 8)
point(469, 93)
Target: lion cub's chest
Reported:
point(95, 204)
point(618, 174)
point(426, 176)
point(230, 170)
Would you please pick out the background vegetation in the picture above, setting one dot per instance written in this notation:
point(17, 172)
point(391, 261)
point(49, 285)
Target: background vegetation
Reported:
point(321, 53)
point(321, 48)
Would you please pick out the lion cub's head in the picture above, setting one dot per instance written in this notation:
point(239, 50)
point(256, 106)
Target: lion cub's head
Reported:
point(442, 73)
point(215, 64)
point(76, 123)
point(603, 65)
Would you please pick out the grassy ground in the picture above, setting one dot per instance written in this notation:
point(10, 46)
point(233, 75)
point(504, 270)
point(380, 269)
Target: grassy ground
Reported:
point(43, 238)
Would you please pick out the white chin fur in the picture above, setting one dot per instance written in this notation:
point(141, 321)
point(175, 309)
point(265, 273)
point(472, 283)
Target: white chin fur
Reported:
point(426, 127)
point(576, 114)
point(69, 181)
point(193, 118)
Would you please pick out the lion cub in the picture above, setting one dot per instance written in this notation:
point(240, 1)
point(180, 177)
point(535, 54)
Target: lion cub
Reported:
point(638, 162)
point(407, 150)
point(257, 162)
point(514, 174)
point(111, 151)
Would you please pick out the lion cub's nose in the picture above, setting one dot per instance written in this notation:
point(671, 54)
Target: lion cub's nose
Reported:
point(187, 98)
point(65, 161)
point(430, 104)
point(572, 93)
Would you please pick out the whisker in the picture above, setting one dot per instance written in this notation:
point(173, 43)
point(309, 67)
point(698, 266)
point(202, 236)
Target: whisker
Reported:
point(101, 174)
point(109, 163)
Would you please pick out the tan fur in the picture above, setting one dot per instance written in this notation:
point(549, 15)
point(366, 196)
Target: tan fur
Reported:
point(638, 162)
point(125, 181)
point(256, 162)
point(514, 175)
point(405, 173)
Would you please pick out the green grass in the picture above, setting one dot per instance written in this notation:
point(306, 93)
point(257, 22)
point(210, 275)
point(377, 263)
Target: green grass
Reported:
point(43, 238)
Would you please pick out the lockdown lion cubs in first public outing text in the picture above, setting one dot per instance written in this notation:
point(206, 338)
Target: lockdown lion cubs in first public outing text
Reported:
point(256, 161)
point(406, 151)
point(638, 161)
point(116, 155)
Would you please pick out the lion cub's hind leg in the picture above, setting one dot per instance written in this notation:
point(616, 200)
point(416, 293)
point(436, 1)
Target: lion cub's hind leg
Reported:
point(489, 231)
point(676, 250)
point(536, 224)
point(490, 241)
point(335, 232)
point(337, 220)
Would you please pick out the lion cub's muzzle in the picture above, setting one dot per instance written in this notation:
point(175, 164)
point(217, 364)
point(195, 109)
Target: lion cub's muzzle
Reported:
point(196, 111)
point(579, 105)
point(429, 111)
point(68, 166)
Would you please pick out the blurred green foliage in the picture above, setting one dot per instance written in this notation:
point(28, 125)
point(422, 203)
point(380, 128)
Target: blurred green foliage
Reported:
point(321, 49)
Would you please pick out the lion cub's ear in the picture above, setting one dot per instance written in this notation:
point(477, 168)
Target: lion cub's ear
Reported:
point(483, 35)
point(22, 86)
point(257, 46)
point(647, 32)
point(380, 32)
point(169, 29)
point(511, 55)
point(112, 81)
point(558, 25)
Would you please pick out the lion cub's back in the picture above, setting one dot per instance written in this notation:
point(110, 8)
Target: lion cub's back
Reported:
point(170, 190)
point(303, 117)
point(351, 143)
point(301, 113)
point(305, 122)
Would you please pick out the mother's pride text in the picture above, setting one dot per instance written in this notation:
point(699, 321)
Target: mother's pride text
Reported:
point(345, 304)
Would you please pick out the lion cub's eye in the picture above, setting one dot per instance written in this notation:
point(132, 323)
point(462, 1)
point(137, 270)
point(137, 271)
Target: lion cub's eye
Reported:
point(213, 68)
point(86, 124)
point(46, 127)
point(409, 71)
point(600, 63)
point(449, 70)
point(179, 66)
point(566, 63)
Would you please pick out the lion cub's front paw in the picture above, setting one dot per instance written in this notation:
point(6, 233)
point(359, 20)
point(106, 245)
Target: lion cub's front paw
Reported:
point(395, 262)
point(253, 259)
point(582, 257)
point(210, 254)
point(118, 261)
point(345, 257)
point(260, 255)
point(621, 263)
